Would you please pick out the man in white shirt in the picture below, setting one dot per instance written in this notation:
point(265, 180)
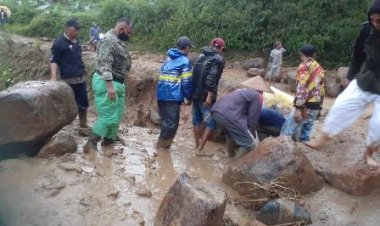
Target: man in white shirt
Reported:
point(276, 60)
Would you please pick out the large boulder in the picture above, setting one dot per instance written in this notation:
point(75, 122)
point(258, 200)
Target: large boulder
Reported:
point(252, 72)
point(342, 72)
point(60, 144)
point(274, 160)
point(333, 85)
point(192, 201)
point(282, 211)
point(254, 63)
point(32, 112)
point(292, 80)
point(341, 164)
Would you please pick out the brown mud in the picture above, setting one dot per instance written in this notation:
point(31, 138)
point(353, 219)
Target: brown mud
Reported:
point(125, 184)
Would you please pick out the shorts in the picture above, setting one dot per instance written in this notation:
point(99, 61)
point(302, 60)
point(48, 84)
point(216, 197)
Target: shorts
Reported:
point(201, 114)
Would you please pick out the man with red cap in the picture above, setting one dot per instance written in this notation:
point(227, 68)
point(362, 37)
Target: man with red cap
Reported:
point(207, 72)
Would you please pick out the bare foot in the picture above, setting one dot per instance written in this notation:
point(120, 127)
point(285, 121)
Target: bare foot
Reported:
point(312, 145)
point(200, 153)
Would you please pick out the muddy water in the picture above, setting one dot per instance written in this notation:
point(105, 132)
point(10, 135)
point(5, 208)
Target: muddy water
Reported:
point(107, 188)
point(124, 185)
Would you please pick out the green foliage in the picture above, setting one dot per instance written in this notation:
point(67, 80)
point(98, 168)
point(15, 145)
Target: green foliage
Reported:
point(251, 25)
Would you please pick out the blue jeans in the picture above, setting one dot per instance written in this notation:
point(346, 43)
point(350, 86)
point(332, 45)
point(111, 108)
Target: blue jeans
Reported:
point(201, 114)
point(290, 126)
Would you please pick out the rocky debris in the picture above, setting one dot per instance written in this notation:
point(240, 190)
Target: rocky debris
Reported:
point(142, 190)
point(192, 201)
point(291, 76)
point(113, 193)
point(281, 211)
point(342, 73)
point(70, 166)
point(333, 85)
point(138, 217)
point(31, 112)
point(252, 72)
point(275, 159)
point(58, 145)
point(130, 178)
point(254, 63)
point(53, 188)
point(87, 169)
point(155, 117)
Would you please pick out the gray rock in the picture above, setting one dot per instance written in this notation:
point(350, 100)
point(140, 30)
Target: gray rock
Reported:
point(252, 72)
point(281, 211)
point(291, 77)
point(58, 145)
point(190, 202)
point(254, 63)
point(333, 85)
point(32, 112)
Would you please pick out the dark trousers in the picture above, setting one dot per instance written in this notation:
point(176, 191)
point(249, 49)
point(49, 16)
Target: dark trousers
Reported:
point(169, 112)
point(80, 93)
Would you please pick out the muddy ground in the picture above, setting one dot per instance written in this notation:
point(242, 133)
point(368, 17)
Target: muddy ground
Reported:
point(124, 185)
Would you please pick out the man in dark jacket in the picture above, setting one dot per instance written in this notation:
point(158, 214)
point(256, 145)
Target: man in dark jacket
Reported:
point(238, 113)
point(67, 58)
point(207, 72)
point(363, 90)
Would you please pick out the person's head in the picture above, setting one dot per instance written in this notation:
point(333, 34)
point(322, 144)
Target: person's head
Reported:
point(307, 52)
point(2, 10)
point(278, 45)
point(219, 44)
point(94, 24)
point(72, 28)
point(184, 44)
point(123, 29)
point(374, 14)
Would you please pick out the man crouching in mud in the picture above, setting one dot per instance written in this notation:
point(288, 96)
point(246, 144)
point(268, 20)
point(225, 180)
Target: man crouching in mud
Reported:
point(113, 65)
point(363, 90)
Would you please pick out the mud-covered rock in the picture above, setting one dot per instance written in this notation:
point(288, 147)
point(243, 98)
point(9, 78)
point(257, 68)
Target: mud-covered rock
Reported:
point(192, 201)
point(275, 159)
point(31, 112)
point(282, 211)
point(357, 180)
point(333, 85)
point(58, 145)
point(252, 72)
point(254, 63)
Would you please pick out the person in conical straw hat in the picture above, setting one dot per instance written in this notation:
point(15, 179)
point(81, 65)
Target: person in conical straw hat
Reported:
point(231, 113)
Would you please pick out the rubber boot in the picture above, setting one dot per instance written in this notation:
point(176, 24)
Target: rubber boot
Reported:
point(84, 128)
point(92, 143)
point(107, 142)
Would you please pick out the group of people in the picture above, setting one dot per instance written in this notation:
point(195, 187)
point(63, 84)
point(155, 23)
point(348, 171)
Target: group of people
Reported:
point(238, 112)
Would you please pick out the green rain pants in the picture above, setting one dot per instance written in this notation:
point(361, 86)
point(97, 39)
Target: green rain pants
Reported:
point(110, 112)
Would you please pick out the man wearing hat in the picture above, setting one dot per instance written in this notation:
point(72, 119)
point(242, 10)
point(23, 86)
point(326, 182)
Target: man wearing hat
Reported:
point(309, 95)
point(174, 88)
point(238, 113)
point(67, 58)
point(207, 72)
point(363, 90)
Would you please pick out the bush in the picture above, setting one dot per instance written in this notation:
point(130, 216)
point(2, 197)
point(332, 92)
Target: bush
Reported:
point(251, 25)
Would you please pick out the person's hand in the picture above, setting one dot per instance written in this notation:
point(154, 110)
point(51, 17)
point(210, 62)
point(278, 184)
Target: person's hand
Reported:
point(208, 102)
point(298, 116)
point(111, 90)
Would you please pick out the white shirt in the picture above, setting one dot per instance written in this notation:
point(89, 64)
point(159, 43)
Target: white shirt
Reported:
point(276, 56)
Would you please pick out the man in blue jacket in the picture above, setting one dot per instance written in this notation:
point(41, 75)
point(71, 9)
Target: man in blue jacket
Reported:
point(174, 88)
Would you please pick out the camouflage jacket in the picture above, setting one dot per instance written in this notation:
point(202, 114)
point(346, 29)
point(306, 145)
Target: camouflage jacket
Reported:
point(113, 59)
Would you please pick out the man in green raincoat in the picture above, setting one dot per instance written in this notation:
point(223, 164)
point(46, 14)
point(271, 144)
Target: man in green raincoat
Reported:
point(113, 65)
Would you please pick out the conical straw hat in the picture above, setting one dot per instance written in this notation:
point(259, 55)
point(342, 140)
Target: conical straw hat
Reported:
point(258, 84)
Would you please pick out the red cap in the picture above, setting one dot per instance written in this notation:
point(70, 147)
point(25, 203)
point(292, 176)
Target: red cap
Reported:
point(218, 42)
